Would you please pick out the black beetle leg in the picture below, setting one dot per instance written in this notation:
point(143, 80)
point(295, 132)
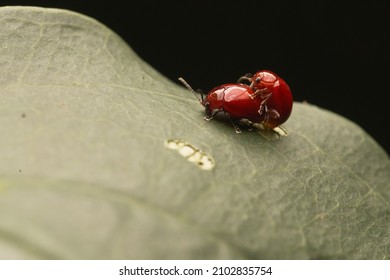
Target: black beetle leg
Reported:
point(236, 128)
point(246, 78)
point(247, 123)
point(210, 115)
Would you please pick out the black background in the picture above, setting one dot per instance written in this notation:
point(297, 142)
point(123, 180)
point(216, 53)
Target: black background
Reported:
point(334, 54)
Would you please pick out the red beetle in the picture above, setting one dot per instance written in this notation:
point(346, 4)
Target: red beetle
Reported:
point(265, 103)
point(234, 100)
point(275, 92)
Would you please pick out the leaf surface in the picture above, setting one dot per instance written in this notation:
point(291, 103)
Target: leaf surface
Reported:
point(85, 174)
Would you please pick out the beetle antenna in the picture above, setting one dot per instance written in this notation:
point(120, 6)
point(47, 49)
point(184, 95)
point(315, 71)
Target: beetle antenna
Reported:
point(191, 89)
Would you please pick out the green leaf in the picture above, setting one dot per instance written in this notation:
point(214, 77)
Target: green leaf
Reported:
point(85, 171)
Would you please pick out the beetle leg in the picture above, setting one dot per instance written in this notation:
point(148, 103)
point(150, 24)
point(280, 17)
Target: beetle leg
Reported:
point(269, 113)
point(263, 92)
point(273, 114)
point(263, 110)
point(246, 78)
point(247, 123)
point(264, 95)
point(212, 115)
point(209, 114)
point(236, 128)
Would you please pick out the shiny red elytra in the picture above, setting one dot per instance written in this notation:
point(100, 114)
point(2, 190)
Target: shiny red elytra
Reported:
point(235, 101)
point(275, 92)
point(266, 102)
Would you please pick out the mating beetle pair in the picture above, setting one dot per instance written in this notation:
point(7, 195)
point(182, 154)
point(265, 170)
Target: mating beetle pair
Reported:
point(265, 102)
